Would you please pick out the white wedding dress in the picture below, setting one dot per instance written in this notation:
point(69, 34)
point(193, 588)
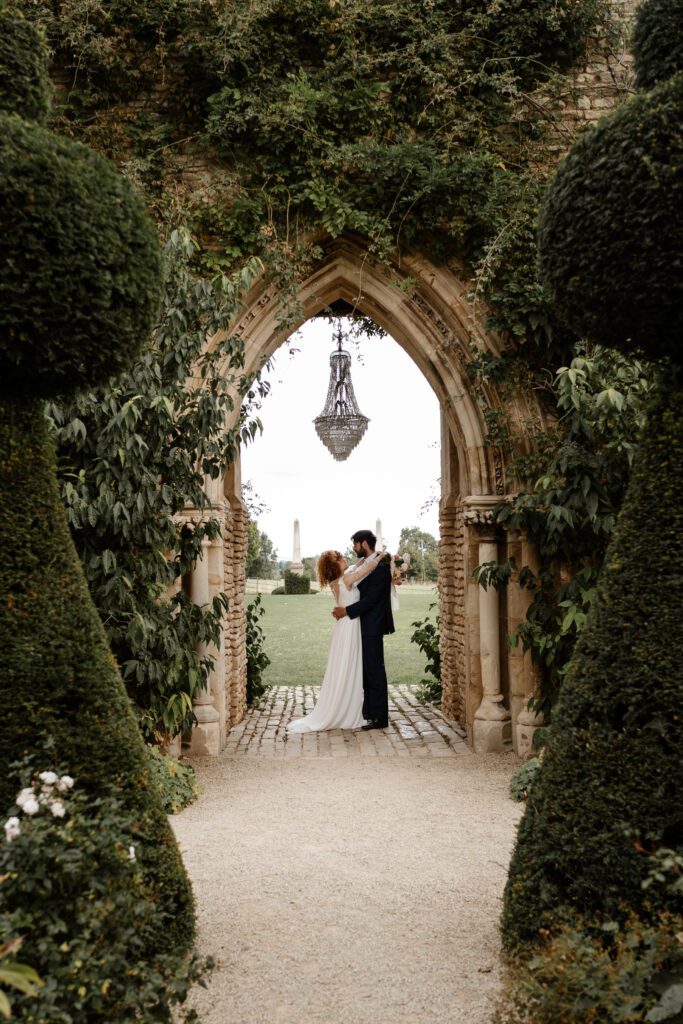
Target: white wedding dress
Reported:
point(340, 703)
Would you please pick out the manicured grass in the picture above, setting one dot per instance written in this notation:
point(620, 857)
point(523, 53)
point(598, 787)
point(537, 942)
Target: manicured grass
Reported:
point(298, 629)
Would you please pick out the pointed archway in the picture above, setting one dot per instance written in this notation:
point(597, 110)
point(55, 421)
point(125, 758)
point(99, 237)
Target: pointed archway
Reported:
point(430, 312)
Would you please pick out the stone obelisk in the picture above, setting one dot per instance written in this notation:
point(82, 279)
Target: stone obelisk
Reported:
point(378, 531)
point(297, 565)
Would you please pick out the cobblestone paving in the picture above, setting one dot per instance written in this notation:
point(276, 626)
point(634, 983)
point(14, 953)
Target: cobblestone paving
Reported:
point(415, 730)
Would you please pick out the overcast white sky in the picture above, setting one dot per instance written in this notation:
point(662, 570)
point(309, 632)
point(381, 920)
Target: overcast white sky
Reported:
point(389, 476)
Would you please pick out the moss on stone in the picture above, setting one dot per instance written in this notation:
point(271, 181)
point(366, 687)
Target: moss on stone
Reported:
point(613, 767)
point(61, 690)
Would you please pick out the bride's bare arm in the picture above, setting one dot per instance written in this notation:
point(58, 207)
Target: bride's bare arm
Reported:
point(351, 578)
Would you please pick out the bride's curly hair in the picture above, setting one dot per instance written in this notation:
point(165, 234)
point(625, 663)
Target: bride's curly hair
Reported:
point(328, 567)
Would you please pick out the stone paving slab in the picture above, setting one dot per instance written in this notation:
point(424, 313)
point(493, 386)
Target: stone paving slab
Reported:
point(415, 730)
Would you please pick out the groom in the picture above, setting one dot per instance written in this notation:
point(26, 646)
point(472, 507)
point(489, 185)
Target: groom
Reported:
point(374, 611)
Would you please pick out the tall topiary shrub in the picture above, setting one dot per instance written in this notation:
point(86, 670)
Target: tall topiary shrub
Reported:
point(79, 287)
point(611, 239)
point(24, 85)
point(657, 41)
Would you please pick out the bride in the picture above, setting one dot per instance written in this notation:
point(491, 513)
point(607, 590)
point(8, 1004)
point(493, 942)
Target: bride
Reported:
point(340, 703)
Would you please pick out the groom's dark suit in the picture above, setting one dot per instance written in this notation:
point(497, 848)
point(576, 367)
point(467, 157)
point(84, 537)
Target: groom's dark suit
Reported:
point(374, 610)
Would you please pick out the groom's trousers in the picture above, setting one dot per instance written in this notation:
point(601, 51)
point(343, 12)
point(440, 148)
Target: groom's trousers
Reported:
point(375, 692)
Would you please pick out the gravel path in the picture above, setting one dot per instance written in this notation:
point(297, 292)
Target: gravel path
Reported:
point(350, 890)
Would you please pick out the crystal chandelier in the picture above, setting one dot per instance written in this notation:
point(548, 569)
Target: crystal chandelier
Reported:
point(340, 425)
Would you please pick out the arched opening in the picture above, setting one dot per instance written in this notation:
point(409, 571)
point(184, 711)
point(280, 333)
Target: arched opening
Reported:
point(387, 484)
point(429, 313)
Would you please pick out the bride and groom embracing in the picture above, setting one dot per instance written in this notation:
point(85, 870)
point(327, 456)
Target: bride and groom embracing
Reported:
point(354, 692)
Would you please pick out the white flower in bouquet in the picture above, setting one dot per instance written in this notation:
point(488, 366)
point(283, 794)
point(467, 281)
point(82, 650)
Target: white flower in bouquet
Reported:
point(30, 806)
point(58, 809)
point(24, 795)
point(66, 782)
point(399, 568)
point(12, 829)
point(49, 778)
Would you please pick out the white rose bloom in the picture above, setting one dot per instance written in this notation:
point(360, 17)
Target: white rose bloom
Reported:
point(30, 806)
point(12, 829)
point(57, 809)
point(131, 853)
point(24, 795)
point(49, 778)
point(66, 782)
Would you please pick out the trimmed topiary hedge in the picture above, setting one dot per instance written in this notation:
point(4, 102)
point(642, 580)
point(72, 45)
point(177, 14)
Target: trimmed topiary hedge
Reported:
point(657, 41)
point(61, 690)
point(295, 584)
point(611, 227)
point(612, 771)
point(609, 789)
point(80, 282)
point(24, 82)
point(80, 265)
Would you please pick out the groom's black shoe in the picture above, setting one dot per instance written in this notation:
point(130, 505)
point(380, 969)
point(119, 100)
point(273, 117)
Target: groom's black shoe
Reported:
point(372, 724)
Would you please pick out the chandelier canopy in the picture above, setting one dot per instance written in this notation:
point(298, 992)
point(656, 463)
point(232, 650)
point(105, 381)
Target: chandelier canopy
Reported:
point(341, 425)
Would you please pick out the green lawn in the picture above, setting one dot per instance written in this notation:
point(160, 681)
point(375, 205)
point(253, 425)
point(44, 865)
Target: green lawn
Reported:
point(298, 628)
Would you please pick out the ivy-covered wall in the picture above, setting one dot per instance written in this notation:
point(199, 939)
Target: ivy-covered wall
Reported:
point(265, 127)
point(429, 125)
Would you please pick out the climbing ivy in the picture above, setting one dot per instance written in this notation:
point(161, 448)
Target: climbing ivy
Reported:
point(572, 488)
point(267, 125)
point(131, 457)
point(408, 124)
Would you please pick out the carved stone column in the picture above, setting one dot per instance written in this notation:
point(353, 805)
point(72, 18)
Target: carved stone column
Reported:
point(492, 729)
point(206, 738)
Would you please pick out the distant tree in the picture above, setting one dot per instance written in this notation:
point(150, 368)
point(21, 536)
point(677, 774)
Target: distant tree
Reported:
point(309, 565)
point(253, 546)
point(264, 565)
point(423, 549)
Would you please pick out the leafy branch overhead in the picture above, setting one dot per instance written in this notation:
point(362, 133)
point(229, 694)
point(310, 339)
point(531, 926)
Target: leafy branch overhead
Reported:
point(407, 124)
point(132, 456)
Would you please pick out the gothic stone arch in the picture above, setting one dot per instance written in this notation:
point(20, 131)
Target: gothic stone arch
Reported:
point(427, 310)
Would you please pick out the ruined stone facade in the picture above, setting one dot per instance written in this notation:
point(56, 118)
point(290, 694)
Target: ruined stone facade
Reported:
point(427, 310)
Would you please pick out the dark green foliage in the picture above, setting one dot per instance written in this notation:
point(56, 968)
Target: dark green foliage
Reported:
point(176, 780)
point(611, 228)
point(61, 690)
point(572, 486)
point(79, 265)
point(628, 973)
point(427, 637)
point(72, 892)
point(523, 778)
point(257, 659)
point(612, 772)
point(621, 972)
point(297, 584)
point(411, 125)
point(24, 83)
point(131, 457)
point(657, 41)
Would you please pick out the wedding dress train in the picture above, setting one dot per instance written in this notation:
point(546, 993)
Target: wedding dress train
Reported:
point(340, 702)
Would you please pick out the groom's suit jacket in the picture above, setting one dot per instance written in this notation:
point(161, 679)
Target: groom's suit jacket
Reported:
point(374, 606)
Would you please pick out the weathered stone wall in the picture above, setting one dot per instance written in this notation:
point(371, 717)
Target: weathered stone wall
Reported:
point(452, 610)
point(597, 87)
point(585, 97)
point(234, 628)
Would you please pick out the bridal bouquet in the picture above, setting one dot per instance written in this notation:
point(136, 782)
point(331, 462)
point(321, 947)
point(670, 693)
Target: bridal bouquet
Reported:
point(399, 565)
